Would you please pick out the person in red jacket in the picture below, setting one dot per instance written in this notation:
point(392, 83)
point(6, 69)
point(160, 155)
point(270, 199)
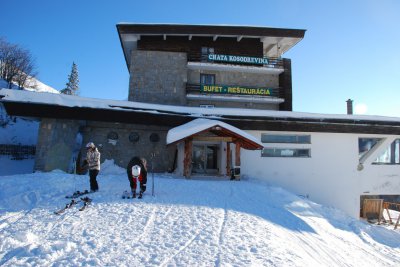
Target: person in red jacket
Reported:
point(137, 170)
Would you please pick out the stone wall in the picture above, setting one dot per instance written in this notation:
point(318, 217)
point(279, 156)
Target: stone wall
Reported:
point(158, 77)
point(57, 141)
point(120, 142)
point(56, 144)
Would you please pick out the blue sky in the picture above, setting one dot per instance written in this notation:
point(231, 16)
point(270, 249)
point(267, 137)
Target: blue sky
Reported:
point(350, 49)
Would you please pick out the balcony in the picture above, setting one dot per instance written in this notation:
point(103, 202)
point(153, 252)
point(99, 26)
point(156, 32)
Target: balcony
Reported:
point(234, 63)
point(233, 93)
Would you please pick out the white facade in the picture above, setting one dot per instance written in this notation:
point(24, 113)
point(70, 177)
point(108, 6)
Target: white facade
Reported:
point(331, 176)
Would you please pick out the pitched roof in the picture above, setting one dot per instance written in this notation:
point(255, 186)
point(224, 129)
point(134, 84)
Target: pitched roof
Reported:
point(220, 128)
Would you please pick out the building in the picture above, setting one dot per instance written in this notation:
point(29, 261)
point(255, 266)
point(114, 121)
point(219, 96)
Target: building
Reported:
point(213, 100)
point(210, 66)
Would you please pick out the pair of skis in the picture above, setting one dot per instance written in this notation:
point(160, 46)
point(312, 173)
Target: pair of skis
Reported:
point(86, 201)
point(78, 194)
point(130, 195)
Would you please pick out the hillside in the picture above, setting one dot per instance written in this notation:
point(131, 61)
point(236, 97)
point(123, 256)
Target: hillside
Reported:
point(187, 223)
point(19, 131)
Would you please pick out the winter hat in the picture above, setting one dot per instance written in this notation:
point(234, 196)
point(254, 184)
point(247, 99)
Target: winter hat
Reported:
point(136, 171)
point(90, 145)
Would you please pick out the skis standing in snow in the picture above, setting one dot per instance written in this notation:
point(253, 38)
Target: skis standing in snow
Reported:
point(93, 162)
point(137, 170)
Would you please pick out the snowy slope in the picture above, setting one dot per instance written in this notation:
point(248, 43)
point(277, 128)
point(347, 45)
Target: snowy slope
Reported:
point(32, 85)
point(187, 223)
point(19, 131)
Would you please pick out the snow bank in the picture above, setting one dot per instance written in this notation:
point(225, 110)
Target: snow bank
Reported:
point(187, 223)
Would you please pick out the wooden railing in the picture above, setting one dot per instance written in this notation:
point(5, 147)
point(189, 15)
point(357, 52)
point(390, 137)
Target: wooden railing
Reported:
point(373, 209)
point(392, 206)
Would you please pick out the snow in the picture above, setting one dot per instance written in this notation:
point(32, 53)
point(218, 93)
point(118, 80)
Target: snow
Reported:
point(15, 166)
point(33, 85)
point(198, 125)
point(76, 101)
point(214, 222)
point(19, 131)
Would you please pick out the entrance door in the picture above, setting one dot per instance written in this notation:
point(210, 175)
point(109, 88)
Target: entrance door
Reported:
point(205, 159)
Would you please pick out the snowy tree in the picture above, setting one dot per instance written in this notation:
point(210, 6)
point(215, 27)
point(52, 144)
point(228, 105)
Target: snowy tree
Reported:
point(16, 64)
point(73, 82)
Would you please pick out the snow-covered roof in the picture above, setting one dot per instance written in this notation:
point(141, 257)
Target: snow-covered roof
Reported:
point(198, 125)
point(19, 96)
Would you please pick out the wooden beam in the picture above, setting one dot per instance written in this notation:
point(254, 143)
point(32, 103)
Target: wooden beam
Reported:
point(228, 159)
point(213, 138)
point(237, 154)
point(187, 161)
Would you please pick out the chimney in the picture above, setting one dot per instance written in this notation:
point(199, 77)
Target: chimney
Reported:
point(349, 106)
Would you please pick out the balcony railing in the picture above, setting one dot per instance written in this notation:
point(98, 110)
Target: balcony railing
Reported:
point(272, 62)
point(192, 88)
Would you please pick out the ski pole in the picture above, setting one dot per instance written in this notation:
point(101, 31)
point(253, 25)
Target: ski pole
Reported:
point(152, 173)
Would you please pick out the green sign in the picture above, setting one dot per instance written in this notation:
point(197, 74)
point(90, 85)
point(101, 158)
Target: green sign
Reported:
point(238, 59)
point(237, 90)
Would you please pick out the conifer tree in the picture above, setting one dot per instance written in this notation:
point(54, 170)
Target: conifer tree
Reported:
point(73, 82)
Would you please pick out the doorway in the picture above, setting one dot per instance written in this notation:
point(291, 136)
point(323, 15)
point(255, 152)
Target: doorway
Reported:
point(205, 159)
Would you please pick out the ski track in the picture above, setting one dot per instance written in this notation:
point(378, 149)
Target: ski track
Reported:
point(181, 249)
point(236, 224)
point(221, 229)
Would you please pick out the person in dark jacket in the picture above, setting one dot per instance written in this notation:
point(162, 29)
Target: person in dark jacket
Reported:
point(137, 170)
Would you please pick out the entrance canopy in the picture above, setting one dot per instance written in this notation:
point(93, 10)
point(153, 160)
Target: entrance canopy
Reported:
point(218, 128)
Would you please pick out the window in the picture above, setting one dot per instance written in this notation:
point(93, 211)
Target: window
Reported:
point(207, 79)
point(204, 53)
point(207, 106)
point(365, 145)
point(286, 139)
point(286, 152)
point(391, 155)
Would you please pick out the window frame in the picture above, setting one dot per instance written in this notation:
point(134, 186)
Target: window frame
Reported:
point(296, 136)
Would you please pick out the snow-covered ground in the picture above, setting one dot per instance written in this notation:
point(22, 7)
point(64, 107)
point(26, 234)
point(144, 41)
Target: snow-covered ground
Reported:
point(210, 222)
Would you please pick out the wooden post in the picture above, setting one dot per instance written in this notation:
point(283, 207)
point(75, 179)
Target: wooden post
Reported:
point(187, 161)
point(228, 159)
point(237, 154)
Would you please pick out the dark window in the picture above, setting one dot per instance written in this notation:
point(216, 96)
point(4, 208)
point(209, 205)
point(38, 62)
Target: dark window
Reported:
point(134, 137)
point(112, 136)
point(154, 137)
point(286, 139)
point(207, 78)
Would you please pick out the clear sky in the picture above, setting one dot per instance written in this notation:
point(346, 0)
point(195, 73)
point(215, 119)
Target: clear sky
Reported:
point(351, 48)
